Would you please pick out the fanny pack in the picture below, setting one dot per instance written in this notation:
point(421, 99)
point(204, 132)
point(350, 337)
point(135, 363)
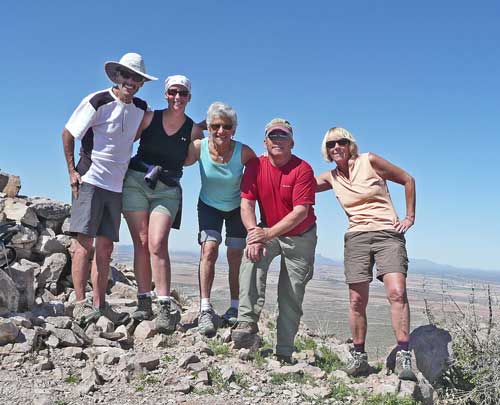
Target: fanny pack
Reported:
point(154, 173)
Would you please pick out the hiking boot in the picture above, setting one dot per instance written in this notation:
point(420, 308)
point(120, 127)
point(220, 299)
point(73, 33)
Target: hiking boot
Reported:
point(167, 318)
point(84, 313)
point(207, 323)
point(118, 318)
point(357, 365)
point(287, 360)
point(144, 311)
point(243, 334)
point(230, 317)
point(403, 366)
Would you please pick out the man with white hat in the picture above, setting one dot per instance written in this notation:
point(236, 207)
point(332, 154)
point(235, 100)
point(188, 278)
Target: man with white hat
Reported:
point(106, 123)
point(284, 187)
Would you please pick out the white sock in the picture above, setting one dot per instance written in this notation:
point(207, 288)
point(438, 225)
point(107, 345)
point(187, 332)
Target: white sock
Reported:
point(205, 304)
point(163, 297)
point(146, 294)
point(235, 303)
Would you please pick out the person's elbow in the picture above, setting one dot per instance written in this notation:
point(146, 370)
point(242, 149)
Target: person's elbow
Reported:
point(301, 212)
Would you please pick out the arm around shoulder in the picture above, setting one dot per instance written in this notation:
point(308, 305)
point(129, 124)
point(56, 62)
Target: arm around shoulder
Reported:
point(197, 131)
point(247, 153)
point(323, 182)
point(193, 152)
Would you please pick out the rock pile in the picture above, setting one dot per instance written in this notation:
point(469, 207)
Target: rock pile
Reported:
point(47, 358)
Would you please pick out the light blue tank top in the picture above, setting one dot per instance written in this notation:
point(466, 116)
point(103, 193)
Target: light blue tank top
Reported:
point(220, 182)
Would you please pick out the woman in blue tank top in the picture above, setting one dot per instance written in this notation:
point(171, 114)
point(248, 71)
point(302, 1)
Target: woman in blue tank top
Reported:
point(221, 160)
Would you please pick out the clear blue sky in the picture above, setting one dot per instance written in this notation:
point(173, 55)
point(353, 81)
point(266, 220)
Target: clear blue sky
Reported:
point(415, 82)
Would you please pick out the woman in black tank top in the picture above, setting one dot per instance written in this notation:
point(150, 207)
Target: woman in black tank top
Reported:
point(165, 136)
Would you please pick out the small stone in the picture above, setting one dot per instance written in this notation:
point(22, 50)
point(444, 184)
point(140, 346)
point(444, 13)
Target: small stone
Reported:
point(197, 367)
point(101, 342)
point(203, 378)
point(62, 322)
point(245, 354)
point(407, 389)
point(147, 361)
point(187, 359)
point(145, 330)
point(105, 324)
point(227, 373)
point(182, 388)
point(44, 364)
point(8, 331)
point(73, 352)
point(52, 341)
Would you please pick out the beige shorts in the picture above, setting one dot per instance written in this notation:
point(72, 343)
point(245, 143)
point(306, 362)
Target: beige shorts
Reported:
point(386, 249)
point(137, 196)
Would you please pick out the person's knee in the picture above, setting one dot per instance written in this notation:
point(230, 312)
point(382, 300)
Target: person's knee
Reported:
point(397, 295)
point(104, 247)
point(141, 242)
point(210, 252)
point(358, 304)
point(158, 247)
point(83, 247)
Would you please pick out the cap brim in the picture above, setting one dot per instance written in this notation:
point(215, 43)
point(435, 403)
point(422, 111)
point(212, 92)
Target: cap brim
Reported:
point(281, 128)
point(111, 70)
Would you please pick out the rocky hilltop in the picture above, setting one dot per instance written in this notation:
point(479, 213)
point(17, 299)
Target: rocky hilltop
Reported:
point(47, 358)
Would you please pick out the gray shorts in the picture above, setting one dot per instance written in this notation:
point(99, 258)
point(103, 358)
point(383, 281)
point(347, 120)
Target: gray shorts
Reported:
point(96, 212)
point(386, 249)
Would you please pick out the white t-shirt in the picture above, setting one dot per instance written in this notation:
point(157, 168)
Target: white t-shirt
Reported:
point(106, 128)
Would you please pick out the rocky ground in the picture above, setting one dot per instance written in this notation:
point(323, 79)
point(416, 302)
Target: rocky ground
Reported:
point(47, 358)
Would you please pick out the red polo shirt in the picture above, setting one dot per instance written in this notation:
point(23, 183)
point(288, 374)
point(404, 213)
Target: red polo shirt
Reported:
point(279, 189)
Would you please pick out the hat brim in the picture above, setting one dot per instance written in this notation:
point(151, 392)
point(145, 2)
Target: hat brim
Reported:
point(112, 67)
point(280, 127)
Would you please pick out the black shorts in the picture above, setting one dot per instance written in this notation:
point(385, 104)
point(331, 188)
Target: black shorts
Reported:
point(96, 212)
point(210, 221)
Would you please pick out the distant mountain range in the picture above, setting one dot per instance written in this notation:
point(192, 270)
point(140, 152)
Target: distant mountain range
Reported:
point(124, 253)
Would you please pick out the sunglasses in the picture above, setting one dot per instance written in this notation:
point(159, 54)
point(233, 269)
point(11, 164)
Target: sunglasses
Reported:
point(174, 92)
point(131, 75)
point(215, 127)
point(340, 142)
point(276, 136)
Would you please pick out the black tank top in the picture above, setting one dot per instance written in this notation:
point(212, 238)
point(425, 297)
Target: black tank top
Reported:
point(158, 148)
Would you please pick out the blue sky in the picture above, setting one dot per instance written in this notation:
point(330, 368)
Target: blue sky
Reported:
point(415, 82)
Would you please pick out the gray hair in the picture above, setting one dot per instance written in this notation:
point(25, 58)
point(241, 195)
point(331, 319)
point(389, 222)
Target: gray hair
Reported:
point(219, 109)
point(334, 134)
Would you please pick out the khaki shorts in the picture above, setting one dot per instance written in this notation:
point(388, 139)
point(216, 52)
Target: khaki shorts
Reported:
point(138, 196)
point(386, 249)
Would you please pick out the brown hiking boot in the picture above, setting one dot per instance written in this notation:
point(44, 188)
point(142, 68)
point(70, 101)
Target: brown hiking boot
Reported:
point(244, 333)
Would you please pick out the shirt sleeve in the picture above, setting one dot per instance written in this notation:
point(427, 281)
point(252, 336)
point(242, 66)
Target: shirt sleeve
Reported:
point(248, 185)
point(81, 119)
point(304, 190)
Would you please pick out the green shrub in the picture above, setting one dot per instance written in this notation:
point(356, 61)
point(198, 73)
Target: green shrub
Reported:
point(305, 343)
point(388, 399)
point(327, 360)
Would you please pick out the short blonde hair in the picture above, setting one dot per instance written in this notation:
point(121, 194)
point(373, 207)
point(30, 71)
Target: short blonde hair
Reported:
point(336, 133)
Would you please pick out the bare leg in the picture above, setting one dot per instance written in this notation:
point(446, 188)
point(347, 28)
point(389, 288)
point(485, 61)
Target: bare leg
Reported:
point(100, 269)
point(234, 260)
point(80, 266)
point(138, 222)
point(395, 287)
point(358, 300)
point(209, 254)
point(159, 230)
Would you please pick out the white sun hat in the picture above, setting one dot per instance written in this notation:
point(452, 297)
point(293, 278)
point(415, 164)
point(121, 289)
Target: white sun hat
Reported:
point(131, 61)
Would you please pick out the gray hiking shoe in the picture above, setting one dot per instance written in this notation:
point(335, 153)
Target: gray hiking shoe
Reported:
point(231, 316)
point(357, 365)
point(403, 366)
point(84, 313)
point(144, 311)
point(244, 334)
point(207, 324)
point(168, 317)
point(118, 318)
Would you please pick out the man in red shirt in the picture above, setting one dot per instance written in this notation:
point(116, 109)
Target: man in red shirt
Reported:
point(284, 187)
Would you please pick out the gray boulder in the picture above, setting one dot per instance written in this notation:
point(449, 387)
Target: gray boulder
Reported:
point(432, 349)
point(23, 275)
point(8, 331)
point(9, 184)
point(52, 268)
point(18, 211)
point(50, 209)
point(9, 296)
point(23, 241)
